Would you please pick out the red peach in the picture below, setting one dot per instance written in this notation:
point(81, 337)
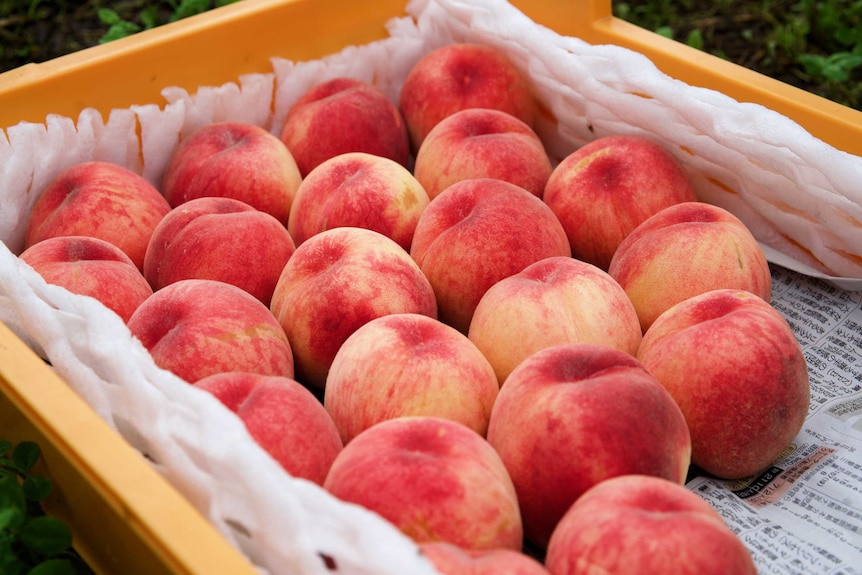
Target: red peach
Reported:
point(637, 524)
point(553, 301)
point(460, 76)
point(89, 266)
point(283, 417)
point(335, 282)
point(434, 479)
point(234, 160)
point(221, 239)
point(573, 415)
point(477, 232)
point(450, 559)
point(737, 371)
point(684, 250)
point(197, 327)
point(482, 143)
point(605, 189)
point(100, 200)
point(344, 115)
point(408, 364)
point(358, 190)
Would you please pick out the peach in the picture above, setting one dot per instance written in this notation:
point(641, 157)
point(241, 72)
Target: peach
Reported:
point(221, 239)
point(460, 76)
point(89, 266)
point(573, 415)
point(450, 559)
point(408, 364)
point(737, 371)
point(553, 301)
point(684, 250)
point(477, 232)
point(361, 190)
point(344, 115)
point(434, 479)
point(100, 200)
point(234, 160)
point(335, 282)
point(637, 524)
point(605, 189)
point(198, 327)
point(283, 417)
point(482, 143)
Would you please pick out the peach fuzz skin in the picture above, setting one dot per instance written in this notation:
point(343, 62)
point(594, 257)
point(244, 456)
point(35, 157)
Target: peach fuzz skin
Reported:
point(605, 189)
point(450, 559)
point(553, 301)
point(482, 142)
point(460, 76)
point(408, 364)
point(738, 373)
point(685, 250)
point(283, 417)
point(642, 525)
point(100, 200)
point(573, 415)
point(344, 115)
point(362, 190)
point(335, 282)
point(477, 232)
point(234, 160)
point(221, 239)
point(432, 478)
point(195, 328)
point(92, 267)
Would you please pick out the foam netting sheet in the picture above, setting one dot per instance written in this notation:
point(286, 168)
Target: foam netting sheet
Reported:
point(800, 196)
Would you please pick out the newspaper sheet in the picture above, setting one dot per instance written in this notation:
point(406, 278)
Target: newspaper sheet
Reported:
point(803, 515)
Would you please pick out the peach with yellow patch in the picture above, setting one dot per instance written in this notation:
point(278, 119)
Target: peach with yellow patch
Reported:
point(685, 250)
point(553, 301)
point(360, 190)
point(408, 364)
point(198, 327)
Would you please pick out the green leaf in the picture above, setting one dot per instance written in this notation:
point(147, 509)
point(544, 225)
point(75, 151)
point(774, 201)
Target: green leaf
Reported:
point(9, 516)
point(665, 31)
point(150, 16)
point(695, 39)
point(5, 448)
point(10, 564)
point(36, 487)
point(119, 30)
point(108, 16)
point(25, 455)
point(53, 567)
point(12, 502)
point(46, 535)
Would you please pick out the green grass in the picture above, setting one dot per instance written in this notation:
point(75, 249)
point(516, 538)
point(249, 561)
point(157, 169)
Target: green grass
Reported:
point(812, 44)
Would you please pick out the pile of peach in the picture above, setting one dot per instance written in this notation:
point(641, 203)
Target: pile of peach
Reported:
point(409, 305)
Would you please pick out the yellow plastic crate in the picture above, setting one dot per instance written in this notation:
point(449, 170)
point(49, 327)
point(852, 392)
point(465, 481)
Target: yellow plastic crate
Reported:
point(125, 517)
